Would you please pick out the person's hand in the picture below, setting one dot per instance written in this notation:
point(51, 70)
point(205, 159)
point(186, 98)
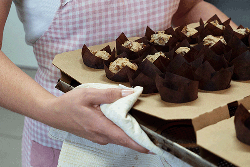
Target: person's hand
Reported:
point(78, 112)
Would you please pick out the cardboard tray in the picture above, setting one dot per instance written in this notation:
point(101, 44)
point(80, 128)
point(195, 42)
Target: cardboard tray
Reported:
point(209, 108)
point(220, 141)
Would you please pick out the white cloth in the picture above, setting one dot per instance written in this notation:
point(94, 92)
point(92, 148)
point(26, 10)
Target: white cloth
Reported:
point(78, 151)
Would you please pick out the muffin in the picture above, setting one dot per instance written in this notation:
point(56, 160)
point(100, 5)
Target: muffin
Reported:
point(211, 40)
point(160, 38)
point(119, 69)
point(182, 50)
point(242, 31)
point(217, 24)
point(145, 77)
point(176, 89)
point(95, 58)
point(189, 31)
point(120, 63)
point(155, 56)
point(133, 49)
point(133, 46)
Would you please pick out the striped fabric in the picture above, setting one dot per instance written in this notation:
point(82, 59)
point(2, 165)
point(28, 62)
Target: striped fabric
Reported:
point(89, 22)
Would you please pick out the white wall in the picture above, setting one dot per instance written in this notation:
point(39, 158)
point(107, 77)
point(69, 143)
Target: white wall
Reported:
point(14, 45)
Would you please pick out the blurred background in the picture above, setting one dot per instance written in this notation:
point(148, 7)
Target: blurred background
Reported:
point(15, 48)
point(238, 10)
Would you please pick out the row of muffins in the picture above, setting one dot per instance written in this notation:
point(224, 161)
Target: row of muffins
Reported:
point(178, 62)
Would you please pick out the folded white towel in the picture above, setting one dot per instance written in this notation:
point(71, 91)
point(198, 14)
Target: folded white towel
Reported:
point(77, 151)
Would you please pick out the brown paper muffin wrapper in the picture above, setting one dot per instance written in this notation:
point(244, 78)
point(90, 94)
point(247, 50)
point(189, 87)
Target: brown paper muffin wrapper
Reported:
point(149, 69)
point(238, 47)
point(241, 67)
point(242, 124)
point(185, 70)
point(91, 60)
point(243, 38)
point(203, 32)
point(160, 62)
point(183, 43)
point(140, 79)
point(228, 33)
point(221, 49)
point(211, 80)
point(192, 54)
point(175, 63)
point(215, 30)
point(176, 89)
point(168, 46)
point(197, 62)
point(145, 77)
point(121, 76)
point(249, 41)
point(131, 54)
point(179, 64)
point(216, 61)
point(181, 36)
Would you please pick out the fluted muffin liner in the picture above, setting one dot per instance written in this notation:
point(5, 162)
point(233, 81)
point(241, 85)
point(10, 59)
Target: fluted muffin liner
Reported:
point(160, 62)
point(241, 67)
point(212, 80)
point(215, 60)
point(213, 29)
point(145, 77)
point(242, 124)
point(120, 76)
point(176, 89)
point(93, 61)
point(238, 47)
point(193, 39)
point(131, 54)
point(243, 38)
point(191, 55)
point(169, 45)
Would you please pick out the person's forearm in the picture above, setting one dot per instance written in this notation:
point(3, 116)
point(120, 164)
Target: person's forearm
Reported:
point(19, 92)
point(202, 10)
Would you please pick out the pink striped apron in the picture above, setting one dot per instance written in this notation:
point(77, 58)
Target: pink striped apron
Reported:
point(89, 22)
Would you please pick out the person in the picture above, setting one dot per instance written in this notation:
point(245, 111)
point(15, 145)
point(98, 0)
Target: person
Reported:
point(57, 26)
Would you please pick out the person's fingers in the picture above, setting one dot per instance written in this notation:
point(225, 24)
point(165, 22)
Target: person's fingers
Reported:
point(106, 96)
point(121, 138)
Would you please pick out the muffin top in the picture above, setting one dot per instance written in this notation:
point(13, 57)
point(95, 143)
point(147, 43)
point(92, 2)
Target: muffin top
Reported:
point(242, 31)
point(101, 54)
point(160, 38)
point(217, 24)
point(188, 31)
point(133, 46)
point(152, 58)
point(210, 40)
point(182, 50)
point(120, 63)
